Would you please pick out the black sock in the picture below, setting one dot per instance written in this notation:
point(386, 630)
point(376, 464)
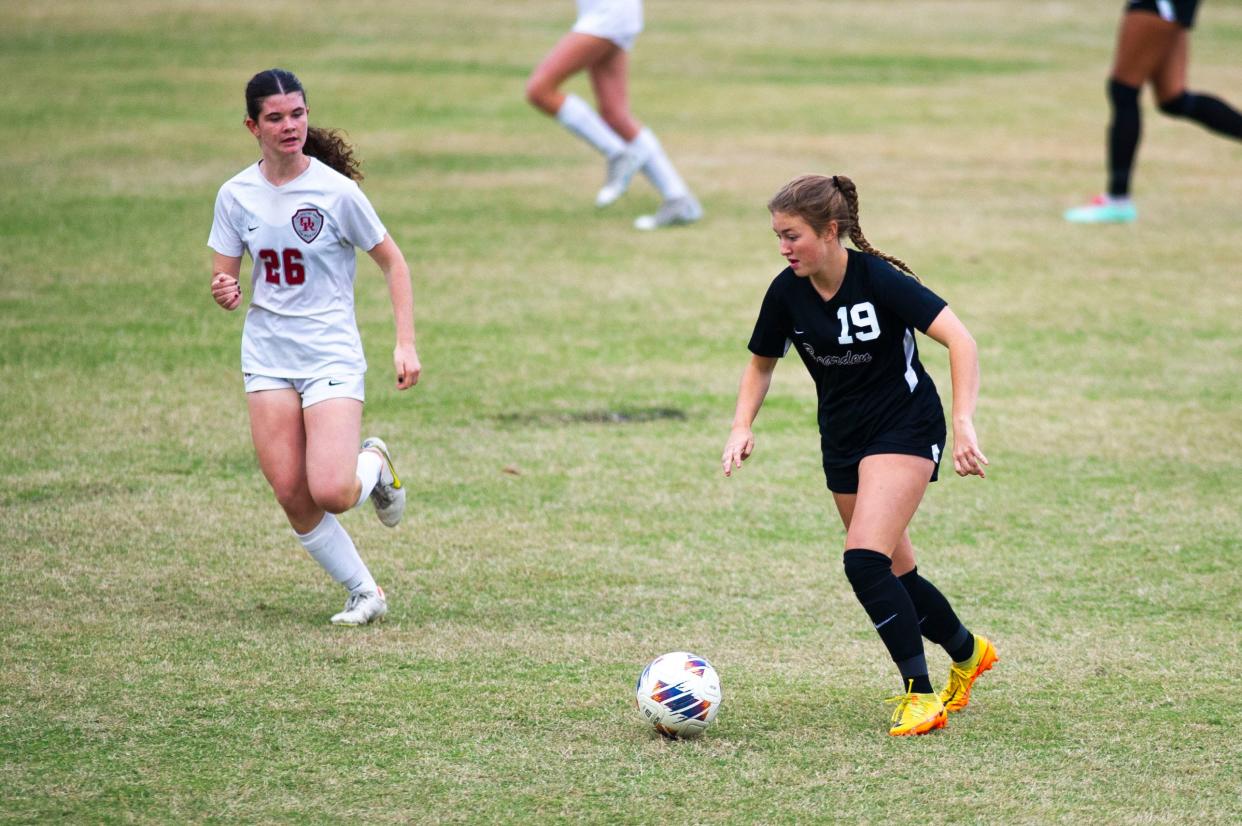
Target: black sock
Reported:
point(892, 613)
point(1210, 111)
point(937, 620)
point(1123, 136)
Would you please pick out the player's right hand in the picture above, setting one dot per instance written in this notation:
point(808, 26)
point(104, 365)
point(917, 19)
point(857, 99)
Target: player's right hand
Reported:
point(739, 447)
point(226, 291)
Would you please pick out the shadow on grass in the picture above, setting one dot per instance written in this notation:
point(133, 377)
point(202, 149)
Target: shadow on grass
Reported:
point(552, 418)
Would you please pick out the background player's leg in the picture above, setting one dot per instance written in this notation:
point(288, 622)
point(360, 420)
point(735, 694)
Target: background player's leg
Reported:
point(678, 205)
point(1201, 107)
point(610, 82)
point(1144, 43)
point(1144, 40)
point(572, 54)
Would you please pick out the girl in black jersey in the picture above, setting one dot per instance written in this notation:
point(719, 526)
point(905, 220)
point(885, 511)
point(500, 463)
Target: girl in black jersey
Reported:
point(1153, 45)
point(851, 318)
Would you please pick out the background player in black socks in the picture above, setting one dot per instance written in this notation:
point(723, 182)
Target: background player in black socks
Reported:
point(851, 316)
point(1153, 45)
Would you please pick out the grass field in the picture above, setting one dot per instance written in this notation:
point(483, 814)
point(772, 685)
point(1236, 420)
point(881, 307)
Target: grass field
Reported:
point(165, 648)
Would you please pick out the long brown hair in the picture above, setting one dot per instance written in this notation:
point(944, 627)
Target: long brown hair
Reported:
point(327, 145)
point(820, 199)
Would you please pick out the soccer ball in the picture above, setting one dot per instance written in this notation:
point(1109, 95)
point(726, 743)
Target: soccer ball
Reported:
point(679, 694)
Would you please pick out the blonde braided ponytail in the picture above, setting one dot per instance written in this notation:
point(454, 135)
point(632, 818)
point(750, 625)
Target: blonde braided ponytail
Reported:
point(850, 192)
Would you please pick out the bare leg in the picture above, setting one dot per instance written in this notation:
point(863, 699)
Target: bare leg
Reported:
point(890, 488)
point(1170, 75)
point(572, 54)
point(333, 431)
point(280, 444)
point(903, 554)
point(1144, 43)
point(610, 81)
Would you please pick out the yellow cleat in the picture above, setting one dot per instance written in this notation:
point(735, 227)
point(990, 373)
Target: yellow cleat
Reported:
point(963, 675)
point(917, 714)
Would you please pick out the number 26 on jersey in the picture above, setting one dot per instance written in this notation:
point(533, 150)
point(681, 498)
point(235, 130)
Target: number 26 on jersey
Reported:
point(288, 262)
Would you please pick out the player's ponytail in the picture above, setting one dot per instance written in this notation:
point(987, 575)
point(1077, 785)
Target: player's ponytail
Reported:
point(326, 145)
point(819, 199)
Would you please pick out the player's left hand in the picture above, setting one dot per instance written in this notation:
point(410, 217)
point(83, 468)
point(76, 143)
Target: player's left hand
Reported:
point(968, 459)
point(405, 360)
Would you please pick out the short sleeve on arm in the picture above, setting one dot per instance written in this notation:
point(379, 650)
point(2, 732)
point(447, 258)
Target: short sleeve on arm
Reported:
point(224, 237)
point(360, 225)
point(910, 300)
point(770, 338)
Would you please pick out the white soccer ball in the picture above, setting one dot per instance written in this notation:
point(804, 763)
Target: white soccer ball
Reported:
point(679, 694)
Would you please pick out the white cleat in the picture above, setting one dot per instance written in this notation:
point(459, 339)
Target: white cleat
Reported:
point(362, 608)
point(388, 497)
point(621, 170)
point(675, 211)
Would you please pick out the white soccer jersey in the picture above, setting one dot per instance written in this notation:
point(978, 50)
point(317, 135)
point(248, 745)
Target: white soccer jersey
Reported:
point(301, 236)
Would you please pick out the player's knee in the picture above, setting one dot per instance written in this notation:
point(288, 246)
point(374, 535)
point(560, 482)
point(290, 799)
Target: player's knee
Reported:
point(1176, 107)
point(540, 95)
point(866, 568)
point(1121, 95)
point(334, 497)
point(294, 499)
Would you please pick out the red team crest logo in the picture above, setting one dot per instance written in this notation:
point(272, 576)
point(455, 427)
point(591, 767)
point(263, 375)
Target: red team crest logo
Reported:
point(307, 222)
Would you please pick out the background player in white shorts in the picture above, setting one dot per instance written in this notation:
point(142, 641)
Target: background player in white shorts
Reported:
point(599, 43)
point(299, 213)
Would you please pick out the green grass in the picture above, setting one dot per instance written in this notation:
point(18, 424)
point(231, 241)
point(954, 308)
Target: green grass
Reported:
point(166, 656)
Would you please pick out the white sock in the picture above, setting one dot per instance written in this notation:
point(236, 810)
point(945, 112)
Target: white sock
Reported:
point(370, 467)
point(659, 169)
point(578, 117)
point(330, 546)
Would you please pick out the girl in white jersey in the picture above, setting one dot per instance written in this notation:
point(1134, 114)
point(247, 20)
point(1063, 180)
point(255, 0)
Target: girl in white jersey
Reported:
point(299, 213)
point(600, 42)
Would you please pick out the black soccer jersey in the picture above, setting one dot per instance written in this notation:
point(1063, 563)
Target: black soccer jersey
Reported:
point(859, 348)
